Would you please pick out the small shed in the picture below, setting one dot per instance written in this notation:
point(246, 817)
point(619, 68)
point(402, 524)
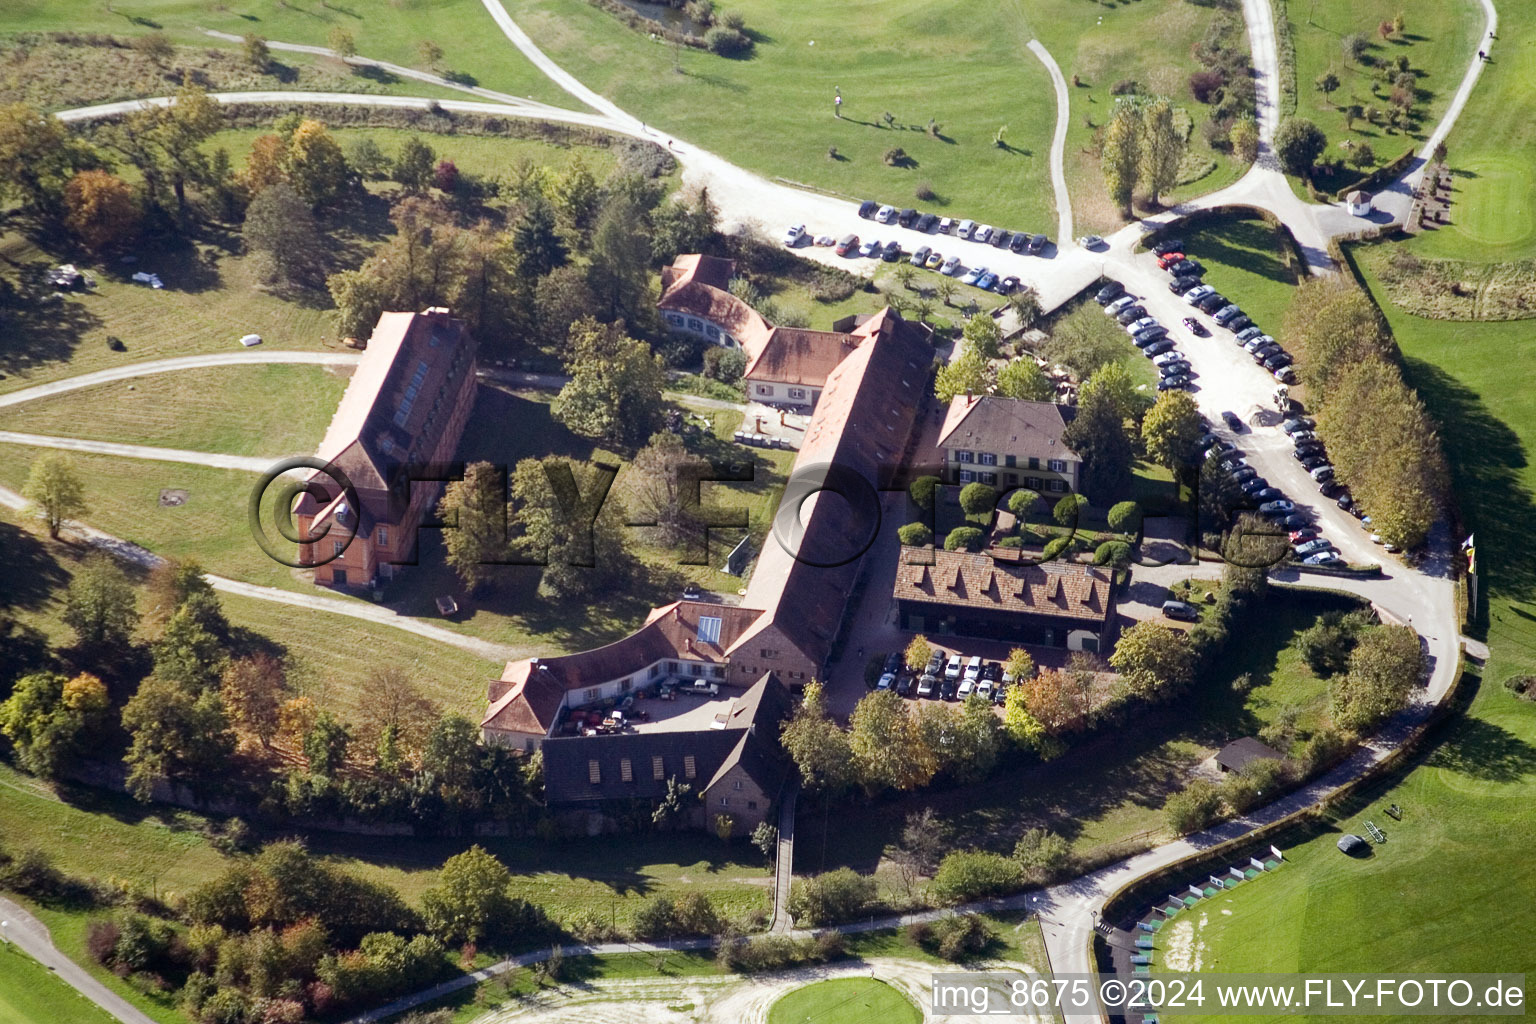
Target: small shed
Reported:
point(251, 340)
point(1358, 203)
point(1238, 754)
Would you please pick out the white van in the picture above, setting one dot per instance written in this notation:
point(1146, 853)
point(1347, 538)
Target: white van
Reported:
point(964, 228)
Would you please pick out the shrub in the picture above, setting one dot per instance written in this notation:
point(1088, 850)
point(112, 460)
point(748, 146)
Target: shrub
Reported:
point(1125, 87)
point(915, 535)
point(1522, 686)
point(961, 937)
point(1045, 855)
point(964, 538)
point(978, 498)
point(1125, 517)
point(896, 157)
point(1066, 510)
point(1012, 543)
point(967, 875)
point(101, 939)
point(1203, 83)
point(925, 192)
point(727, 42)
point(1113, 552)
point(1192, 808)
point(831, 897)
point(922, 491)
point(724, 364)
point(1054, 547)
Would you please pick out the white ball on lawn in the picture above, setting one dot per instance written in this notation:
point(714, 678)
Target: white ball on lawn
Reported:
point(811, 43)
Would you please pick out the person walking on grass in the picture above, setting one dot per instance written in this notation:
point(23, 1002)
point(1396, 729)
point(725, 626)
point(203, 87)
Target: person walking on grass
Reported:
point(837, 102)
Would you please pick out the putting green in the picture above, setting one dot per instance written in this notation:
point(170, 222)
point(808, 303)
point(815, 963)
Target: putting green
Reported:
point(845, 1001)
point(1497, 207)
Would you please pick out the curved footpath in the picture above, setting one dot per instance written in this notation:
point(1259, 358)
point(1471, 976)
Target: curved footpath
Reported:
point(1058, 144)
point(150, 367)
point(32, 936)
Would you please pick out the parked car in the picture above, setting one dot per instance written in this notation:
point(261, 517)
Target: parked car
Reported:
point(1174, 357)
point(966, 686)
point(1008, 285)
point(1256, 342)
point(1304, 435)
point(906, 217)
point(1323, 558)
point(986, 281)
point(825, 241)
point(1303, 535)
point(1295, 520)
point(951, 266)
point(1296, 424)
point(927, 685)
point(1278, 360)
point(964, 228)
point(1181, 610)
point(1277, 508)
point(1212, 302)
point(1187, 268)
point(1147, 334)
point(1242, 473)
point(984, 689)
point(1017, 243)
point(1181, 285)
point(953, 669)
point(1286, 375)
point(892, 253)
point(1233, 420)
point(885, 214)
point(704, 688)
point(887, 681)
point(1194, 327)
point(973, 668)
point(1332, 489)
point(1141, 324)
point(1247, 334)
point(1130, 314)
point(691, 592)
point(1158, 347)
point(947, 689)
point(1114, 307)
point(1169, 259)
point(873, 247)
point(1312, 547)
point(935, 664)
point(1177, 382)
point(1239, 322)
point(1195, 294)
point(926, 222)
point(1322, 474)
point(1000, 238)
point(847, 244)
point(794, 235)
point(992, 670)
point(973, 275)
point(1254, 486)
point(982, 234)
point(920, 256)
point(1263, 352)
point(1168, 245)
point(946, 225)
point(1267, 494)
point(867, 208)
point(935, 260)
point(1036, 244)
point(1090, 242)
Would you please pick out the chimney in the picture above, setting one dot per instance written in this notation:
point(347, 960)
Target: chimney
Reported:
point(969, 397)
point(690, 645)
point(677, 613)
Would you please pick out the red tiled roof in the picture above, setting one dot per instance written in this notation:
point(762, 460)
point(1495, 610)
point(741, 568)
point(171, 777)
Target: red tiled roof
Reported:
point(793, 355)
point(964, 579)
point(671, 631)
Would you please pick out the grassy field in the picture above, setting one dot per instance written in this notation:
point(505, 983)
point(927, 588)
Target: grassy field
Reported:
point(1243, 261)
point(234, 410)
point(1493, 154)
point(1107, 792)
point(844, 1001)
point(31, 994)
point(1438, 39)
point(1103, 44)
point(383, 29)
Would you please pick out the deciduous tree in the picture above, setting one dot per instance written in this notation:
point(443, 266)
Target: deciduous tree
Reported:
point(100, 209)
point(966, 373)
point(55, 489)
point(1384, 667)
point(887, 747)
point(817, 745)
point(1298, 144)
point(1023, 378)
point(100, 606)
point(615, 388)
point(317, 168)
point(177, 736)
point(1172, 429)
point(252, 688)
point(48, 718)
point(1162, 149)
point(1120, 158)
point(1154, 660)
point(281, 229)
point(476, 509)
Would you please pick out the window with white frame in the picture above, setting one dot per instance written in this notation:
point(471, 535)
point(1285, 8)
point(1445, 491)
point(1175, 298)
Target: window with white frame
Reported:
point(988, 459)
point(965, 456)
point(988, 478)
point(383, 536)
point(966, 476)
point(765, 389)
point(1058, 466)
point(1056, 486)
point(797, 393)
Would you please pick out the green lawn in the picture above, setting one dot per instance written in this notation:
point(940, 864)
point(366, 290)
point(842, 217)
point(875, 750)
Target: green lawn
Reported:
point(1105, 794)
point(1243, 261)
point(1439, 38)
point(31, 994)
point(1492, 151)
point(234, 410)
point(844, 1001)
point(383, 29)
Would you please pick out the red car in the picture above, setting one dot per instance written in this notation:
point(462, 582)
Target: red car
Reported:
point(1306, 533)
point(1169, 259)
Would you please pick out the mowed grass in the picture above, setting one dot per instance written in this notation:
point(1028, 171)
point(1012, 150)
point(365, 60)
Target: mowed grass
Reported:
point(390, 30)
point(1492, 152)
point(32, 994)
point(1104, 44)
point(967, 69)
point(1243, 262)
point(1440, 37)
point(209, 301)
point(234, 410)
point(1106, 793)
point(844, 1001)
point(1440, 894)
